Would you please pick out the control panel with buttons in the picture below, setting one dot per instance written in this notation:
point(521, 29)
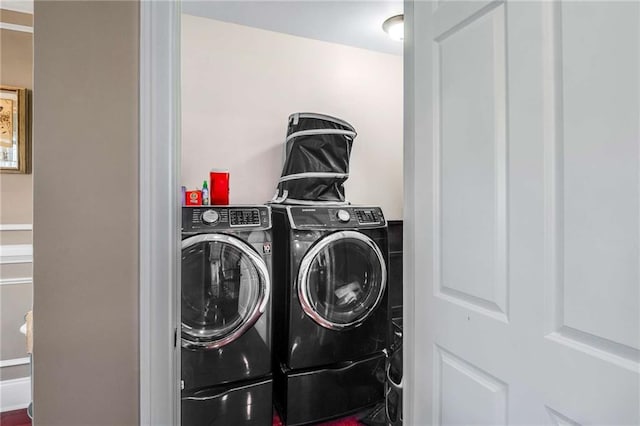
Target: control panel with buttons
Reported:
point(366, 216)
point(198, 219)
point(343, 217)
point(244, 217)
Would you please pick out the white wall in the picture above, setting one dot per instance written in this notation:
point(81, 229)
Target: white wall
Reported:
point(239, 85)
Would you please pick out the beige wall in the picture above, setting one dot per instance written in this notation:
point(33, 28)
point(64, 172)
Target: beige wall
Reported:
point(240, 84)
point(85, 213)
point(16, 208)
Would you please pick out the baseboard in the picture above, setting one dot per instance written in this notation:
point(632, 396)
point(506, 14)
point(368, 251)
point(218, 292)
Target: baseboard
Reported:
point(15, 394)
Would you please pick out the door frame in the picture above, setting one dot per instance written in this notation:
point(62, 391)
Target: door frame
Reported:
point(417, 218)
point(159, 212)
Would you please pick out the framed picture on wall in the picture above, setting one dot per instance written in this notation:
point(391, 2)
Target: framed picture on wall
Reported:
point(15, 143)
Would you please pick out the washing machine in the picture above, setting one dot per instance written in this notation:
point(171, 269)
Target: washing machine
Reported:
point(331, 313)
point(226, 288)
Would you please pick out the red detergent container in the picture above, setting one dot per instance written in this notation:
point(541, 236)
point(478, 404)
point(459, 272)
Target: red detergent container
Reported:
point(193, 198)
point(219, 188)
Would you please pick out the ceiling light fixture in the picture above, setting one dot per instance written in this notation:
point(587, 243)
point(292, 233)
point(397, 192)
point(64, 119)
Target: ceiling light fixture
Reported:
point(394, 26)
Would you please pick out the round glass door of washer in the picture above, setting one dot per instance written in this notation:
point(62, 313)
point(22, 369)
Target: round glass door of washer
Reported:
point(225, 289)
point(342, 279)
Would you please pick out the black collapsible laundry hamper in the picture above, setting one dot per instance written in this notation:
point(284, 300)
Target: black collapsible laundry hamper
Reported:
point(317, 152)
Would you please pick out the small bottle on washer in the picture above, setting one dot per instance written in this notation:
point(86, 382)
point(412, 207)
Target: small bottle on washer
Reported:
point(205, 194)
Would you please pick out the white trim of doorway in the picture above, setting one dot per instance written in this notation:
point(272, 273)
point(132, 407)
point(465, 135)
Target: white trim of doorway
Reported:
point(159, 212)
point(417, 406)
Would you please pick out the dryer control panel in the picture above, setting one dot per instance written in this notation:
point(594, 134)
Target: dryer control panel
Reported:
point(219, 218)
point(335, 217)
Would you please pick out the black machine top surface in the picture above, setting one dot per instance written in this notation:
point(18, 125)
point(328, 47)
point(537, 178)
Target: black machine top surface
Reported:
point(203, 219)
point(335, 217)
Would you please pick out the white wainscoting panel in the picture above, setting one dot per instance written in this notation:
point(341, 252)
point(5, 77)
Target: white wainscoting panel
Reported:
point(15, 394)
point(16, 253)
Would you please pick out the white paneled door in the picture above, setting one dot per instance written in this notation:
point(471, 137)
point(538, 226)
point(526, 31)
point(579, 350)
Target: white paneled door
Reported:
point(523, 146)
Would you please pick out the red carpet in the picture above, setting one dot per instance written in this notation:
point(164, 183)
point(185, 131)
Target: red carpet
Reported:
point(15, 418)
point(348, 421)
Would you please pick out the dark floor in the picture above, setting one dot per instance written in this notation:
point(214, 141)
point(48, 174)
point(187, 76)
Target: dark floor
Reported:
point(353, 420)
point(349, 421)
point(15, 418)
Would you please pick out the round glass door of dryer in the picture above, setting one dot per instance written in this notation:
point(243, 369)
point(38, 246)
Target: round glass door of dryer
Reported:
point(342, 279)
point(225, 288)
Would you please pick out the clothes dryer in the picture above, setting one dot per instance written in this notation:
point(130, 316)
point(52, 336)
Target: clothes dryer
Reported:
point(226, 319)
point(331, 316)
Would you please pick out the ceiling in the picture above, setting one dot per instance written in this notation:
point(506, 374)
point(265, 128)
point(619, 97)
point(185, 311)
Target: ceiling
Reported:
point(351, 22)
